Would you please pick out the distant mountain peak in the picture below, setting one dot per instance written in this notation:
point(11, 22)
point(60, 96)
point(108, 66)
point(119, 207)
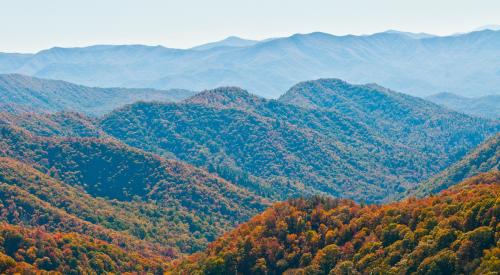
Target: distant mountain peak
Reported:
point(233, 97)
point(446, 95)
point(378, 105)
point(312, 34)
point(492, 27)
point(230, 41)
point(419, 35)
point(21, 93)
point(487, 106)
point(335, 81)
point(235, 38)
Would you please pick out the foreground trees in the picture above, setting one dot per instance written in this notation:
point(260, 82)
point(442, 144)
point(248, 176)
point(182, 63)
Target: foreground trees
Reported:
point(454, 232)
point(30, 251)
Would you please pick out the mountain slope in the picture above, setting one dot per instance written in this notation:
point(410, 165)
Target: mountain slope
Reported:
point(482, 159)
point(485, 106)
point(395, 116)
point(23, 93)
point(369, 150)
point(173, 195)
point(455, 232)
point(466, 64)
point(61, 124)
point(34, 200)
point(295, 160)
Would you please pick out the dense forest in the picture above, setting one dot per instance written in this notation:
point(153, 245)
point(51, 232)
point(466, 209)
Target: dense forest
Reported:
point(325, 136)
point(34, 251)
point(328, 136)
point(143, 187)
point(147, 197)
point(455, 232)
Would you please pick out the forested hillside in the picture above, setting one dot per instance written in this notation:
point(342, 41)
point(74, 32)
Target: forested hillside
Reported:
point(181, 207)
point(455, 232)
point(485, 158)
point(49, 225)
point(144, 138)
point(150, 182)
point(60, 124)
point(358, 141)
point(20, 93)
point(26, 250)
point(407, 120)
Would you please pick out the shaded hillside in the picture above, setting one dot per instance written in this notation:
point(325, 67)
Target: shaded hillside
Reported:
point(482, 159)
point(485, 106)
point(19, 93)
point(182, 207)
point(33, 200)
point(466, 64)
point(455, 232)
point(248, 143)
point(375, 145)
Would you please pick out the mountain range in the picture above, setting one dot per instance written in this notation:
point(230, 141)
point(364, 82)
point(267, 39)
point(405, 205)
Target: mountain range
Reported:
point(417, 64)
point(140, 196)
point(20, 93)
point(135, 187)
point(484, 106)
point(328, 136)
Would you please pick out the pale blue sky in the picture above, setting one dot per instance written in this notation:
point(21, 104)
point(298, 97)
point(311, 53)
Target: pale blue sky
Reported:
point(31, 25)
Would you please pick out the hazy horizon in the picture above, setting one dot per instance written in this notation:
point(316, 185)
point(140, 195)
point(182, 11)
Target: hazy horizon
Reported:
point(496, 27)
point(36, 25)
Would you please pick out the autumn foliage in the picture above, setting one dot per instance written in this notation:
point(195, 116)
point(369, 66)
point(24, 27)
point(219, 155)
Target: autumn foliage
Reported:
point(30, 251)
point(454, 232)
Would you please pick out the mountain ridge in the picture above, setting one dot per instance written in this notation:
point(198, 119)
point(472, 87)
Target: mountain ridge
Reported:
point(228, 128)
point(487, 106)
point(21, 93)
point(230, 41)
point(270, 67)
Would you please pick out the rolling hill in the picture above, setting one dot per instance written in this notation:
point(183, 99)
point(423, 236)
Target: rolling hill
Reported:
point(149, 182)
point(358, 141)
point(485, 106)
point(328, 136)
point(38, 211)
point(421, 65)
point(19, 93)
point(394, 115)
point(141, 195)
point(455, 232)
